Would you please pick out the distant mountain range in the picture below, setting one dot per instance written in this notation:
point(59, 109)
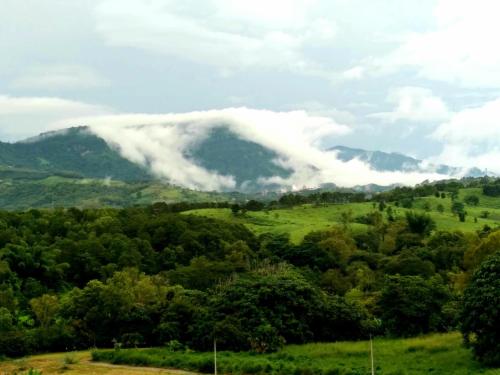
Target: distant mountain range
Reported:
point(78, 153)
point(393, 162)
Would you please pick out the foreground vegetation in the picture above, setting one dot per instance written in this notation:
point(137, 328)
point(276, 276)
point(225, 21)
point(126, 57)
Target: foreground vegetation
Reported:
point(150, 276)
point(439, 354)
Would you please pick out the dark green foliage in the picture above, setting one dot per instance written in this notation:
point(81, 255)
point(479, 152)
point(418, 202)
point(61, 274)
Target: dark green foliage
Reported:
point(447, 249)
point(408, 263)
point(471, 200)
point(492, 189)
point(480, 312)
point(381, 206)
point(276, 304)
point(411, 305)
point(321, 250)
point(148, 276)
point(254, 205)
point(457, 207)
point(406, 202)
point(420, 223)
point(322, 197)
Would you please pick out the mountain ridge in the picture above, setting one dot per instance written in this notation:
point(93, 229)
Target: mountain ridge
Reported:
point(78, 153)
point(395, 161)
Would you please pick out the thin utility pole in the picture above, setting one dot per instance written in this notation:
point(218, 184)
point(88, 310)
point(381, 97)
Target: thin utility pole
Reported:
point(371, 354)
point(215, 356)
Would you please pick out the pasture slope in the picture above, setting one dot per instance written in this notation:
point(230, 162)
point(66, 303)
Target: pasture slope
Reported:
point(300, 220)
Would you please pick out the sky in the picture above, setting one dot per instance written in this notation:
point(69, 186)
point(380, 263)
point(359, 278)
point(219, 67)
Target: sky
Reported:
point(420, 77)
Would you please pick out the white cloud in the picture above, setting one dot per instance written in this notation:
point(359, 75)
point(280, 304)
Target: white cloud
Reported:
point(354, 73)
point(229, 35)
point(460, 49)
point(320, 109)
point(160, 141)
point(55, 77)
point(415, 104)
point(25, 116)
point(471, 137)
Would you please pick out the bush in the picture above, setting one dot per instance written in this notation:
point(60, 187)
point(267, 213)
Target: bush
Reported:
point(175, 346)
point(266, 339)
point(132, 340)
point(16, 344)
point(70, 359)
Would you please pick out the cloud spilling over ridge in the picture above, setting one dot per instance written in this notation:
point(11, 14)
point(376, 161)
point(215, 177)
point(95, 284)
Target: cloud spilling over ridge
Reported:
point(160, 142)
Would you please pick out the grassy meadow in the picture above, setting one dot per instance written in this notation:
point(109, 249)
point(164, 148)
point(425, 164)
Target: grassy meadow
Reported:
point(433, 354)
point(74, 363)
point(300, 220)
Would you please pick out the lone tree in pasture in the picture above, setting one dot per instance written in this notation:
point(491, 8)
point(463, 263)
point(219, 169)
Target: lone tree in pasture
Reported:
point(471, 200)
point(420, 223)
point(345, 218)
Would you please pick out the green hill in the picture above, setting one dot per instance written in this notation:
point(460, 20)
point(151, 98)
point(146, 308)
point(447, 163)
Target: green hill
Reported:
point(75, 151)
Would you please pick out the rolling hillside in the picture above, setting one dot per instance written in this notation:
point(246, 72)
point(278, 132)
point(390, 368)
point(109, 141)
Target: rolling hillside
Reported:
point(300, 220)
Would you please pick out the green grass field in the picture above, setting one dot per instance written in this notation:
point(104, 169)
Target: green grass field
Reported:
point(300, 220)
point(433, 354)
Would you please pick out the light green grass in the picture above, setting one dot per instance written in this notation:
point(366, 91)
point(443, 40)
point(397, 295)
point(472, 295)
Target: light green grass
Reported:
point(297, 221)
point(433, 354)
point(300, 220)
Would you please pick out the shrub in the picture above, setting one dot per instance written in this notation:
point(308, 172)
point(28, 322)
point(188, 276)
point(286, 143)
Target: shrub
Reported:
point(70, 359)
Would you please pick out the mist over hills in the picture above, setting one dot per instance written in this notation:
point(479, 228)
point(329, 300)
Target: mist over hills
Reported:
point(79, 153)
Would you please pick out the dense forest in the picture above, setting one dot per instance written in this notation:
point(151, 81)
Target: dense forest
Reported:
point(72, 278)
